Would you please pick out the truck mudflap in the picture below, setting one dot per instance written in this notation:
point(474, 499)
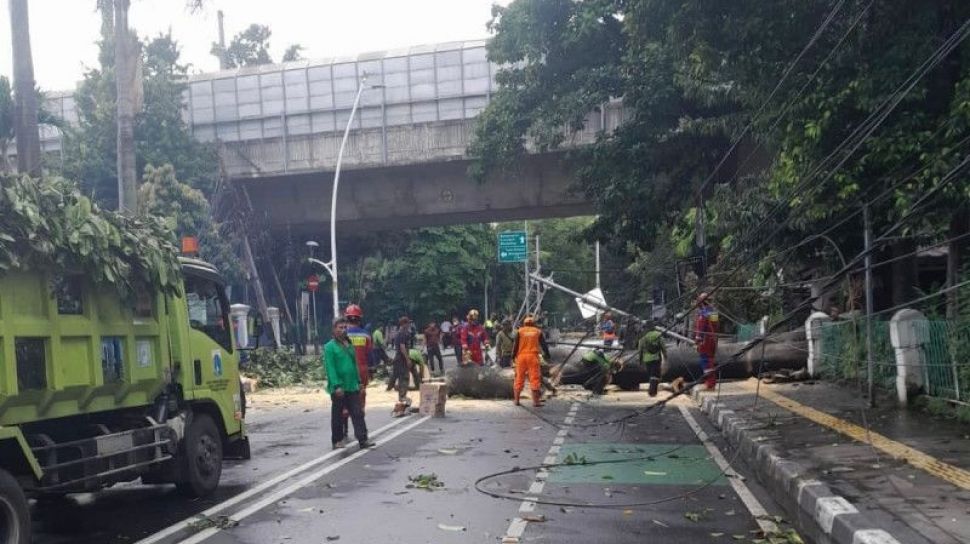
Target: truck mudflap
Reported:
point(91, 463)
point(237, 448)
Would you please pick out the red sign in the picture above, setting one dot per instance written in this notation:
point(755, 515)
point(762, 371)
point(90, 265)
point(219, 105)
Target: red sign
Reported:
point(313, 283)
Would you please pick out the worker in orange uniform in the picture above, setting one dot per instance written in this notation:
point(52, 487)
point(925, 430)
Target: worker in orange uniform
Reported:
point(474, 340)
point(529, 342)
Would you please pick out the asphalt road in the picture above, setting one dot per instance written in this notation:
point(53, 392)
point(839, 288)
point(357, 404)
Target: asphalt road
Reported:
point(295, 489)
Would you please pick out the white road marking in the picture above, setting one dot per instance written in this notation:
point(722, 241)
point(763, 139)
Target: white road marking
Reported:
point(518, 525)
point(236, 499)
point(745, 494)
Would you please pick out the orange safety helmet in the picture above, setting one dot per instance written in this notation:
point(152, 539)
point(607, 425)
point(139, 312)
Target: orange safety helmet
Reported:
point(353, 310)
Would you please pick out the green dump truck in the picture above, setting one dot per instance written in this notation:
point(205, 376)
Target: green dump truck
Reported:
point(96, 388)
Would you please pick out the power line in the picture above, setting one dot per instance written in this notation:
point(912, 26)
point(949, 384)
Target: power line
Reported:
point(784, 76)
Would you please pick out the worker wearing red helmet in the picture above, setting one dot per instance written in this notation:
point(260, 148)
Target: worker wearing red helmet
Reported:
point(474, 340)
point(529, 342)
point(363, 346)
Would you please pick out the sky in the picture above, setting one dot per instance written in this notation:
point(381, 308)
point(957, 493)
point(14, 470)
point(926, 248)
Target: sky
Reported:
point(64, 32)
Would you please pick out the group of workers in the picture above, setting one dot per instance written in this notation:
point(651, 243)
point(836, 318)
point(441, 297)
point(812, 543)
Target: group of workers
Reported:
point(352, 351)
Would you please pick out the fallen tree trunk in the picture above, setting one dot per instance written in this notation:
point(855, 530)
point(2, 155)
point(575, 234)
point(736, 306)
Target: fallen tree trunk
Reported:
point(788, 351)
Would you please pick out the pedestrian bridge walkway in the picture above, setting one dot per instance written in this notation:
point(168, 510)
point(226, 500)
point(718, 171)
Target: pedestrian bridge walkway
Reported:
point(281, 125)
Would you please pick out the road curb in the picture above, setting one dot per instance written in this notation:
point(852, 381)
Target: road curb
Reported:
point(819, 513)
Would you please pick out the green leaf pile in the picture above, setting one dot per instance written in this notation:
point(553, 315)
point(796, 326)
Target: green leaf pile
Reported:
point(48, 225)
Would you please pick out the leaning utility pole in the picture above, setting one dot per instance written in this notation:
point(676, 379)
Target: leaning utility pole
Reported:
point(124, 83)
point(25, 96)
point(222, 41)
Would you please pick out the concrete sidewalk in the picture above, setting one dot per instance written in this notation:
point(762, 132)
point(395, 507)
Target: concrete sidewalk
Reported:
point(848, 474)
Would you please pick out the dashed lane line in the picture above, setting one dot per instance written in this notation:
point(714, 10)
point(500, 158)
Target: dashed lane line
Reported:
point(303, 482)
point(944, 471)
point(519, 524)
point(745, 494)
point(253, 491)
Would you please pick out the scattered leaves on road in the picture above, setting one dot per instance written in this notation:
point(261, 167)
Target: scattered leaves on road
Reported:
point(205, 522)
point(573, 459)
point(429, 482)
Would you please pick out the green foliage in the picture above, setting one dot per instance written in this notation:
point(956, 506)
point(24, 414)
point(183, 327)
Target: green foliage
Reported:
point(47, 224)
point(251, 47)
point(691, 75)
point(248, 48)
point(293, 53)
point(8, 124)
point(281, 368)
point(186, 213)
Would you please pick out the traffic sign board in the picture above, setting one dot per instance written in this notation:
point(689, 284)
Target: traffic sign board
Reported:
point(512, 247)
point(313, 283)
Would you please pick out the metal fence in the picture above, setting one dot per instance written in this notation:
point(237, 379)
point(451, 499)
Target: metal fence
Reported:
point(945, 347)
point(946, 355)
point(843, 352)
point(746, 331)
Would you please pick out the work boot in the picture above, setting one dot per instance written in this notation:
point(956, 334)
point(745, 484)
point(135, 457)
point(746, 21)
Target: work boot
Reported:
point(517, 398)
point(537, 398)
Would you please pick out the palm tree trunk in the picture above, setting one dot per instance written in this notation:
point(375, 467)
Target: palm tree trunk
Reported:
point(125, 76)
point(25, 108)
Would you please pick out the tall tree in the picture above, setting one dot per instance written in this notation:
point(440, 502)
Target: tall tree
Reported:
point(250, 48)
point(293, 52)
point(26, 127)
point(693, 74)
point(125, 69)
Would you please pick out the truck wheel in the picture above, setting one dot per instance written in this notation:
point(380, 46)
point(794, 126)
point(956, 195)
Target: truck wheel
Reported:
point(14, 511)
point(201, 458)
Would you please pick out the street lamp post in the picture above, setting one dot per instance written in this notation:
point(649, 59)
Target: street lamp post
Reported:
point(331, 266)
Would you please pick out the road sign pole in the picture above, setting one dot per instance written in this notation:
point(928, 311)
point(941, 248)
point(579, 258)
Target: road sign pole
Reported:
point(525, 264)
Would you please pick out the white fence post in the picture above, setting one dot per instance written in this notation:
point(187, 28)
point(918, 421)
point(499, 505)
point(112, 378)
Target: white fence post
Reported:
point(906, 330)
point(239, 314)
point(813, 333)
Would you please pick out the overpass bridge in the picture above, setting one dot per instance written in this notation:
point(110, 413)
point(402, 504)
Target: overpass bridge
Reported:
point(278, 129)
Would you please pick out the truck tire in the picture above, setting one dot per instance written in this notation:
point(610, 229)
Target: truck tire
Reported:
point(14, 511)
point(201, 460)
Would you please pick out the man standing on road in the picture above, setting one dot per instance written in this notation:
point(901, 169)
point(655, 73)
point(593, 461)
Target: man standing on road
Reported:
point(504, 343)
point(432, 336)
point(652, 353)
point(608, 328)
point(456, 329)
point(379, 354)
point(529, 342)
point(361, 340)
point(474, 340)
point(343, 385)
point(402, 365)
point(445, 333)
point(705, 338)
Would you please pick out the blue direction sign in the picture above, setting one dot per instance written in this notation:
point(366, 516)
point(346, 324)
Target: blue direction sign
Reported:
point(512, 247)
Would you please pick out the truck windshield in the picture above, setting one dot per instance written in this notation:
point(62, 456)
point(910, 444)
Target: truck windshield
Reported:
point(207, 312)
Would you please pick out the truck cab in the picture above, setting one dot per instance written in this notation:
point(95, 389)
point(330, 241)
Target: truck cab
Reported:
point(98, 388)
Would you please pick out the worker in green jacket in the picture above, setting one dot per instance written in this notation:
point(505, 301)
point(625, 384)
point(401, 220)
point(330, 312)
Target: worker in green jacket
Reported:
point(652, 352)
point(504, 342)
point(343, 385)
